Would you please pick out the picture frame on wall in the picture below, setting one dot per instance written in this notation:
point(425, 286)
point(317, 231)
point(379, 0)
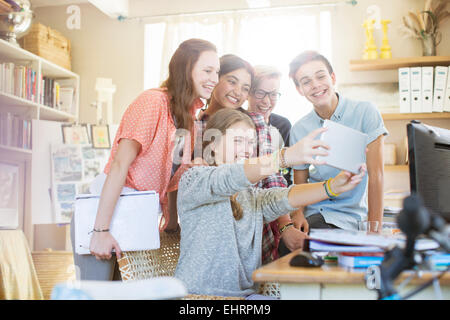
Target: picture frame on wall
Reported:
point(100, 136)
point(9, 196)
point(75, 134)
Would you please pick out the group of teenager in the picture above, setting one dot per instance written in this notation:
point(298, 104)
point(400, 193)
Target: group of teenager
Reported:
point(242, 186)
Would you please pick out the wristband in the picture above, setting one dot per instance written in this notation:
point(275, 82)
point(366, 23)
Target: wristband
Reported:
point(99, 230)
point(290, 224)
point(328, 190)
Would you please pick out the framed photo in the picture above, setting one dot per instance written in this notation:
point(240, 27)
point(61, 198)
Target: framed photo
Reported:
point(100, 137)
point(9, 196)
point(75, 134)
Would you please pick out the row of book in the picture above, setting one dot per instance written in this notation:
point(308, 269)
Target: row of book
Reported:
point(22, 81)
point(424, 89)
point(18, 80)
point(15, 131)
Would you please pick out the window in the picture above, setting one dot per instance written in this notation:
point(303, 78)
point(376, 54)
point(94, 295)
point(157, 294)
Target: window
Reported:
point(273, 39)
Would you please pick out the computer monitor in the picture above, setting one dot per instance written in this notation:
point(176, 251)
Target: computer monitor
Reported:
point(429, 166)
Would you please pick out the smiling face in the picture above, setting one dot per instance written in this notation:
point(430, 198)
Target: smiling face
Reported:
point(238, 143)
point(316, 84)
point(233, 89)
point(269, 88)
point(205, 74)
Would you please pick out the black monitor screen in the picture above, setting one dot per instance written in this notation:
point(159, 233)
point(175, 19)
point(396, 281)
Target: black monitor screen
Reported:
point(429, 166)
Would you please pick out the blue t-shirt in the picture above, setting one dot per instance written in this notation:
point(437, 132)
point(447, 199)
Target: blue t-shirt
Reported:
point(350, 207)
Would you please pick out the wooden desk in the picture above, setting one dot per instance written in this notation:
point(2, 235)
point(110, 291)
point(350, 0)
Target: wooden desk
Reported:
point(331, 282)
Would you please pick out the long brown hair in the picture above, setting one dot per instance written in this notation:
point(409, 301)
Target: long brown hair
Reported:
point(221, 121)
point(179, 84)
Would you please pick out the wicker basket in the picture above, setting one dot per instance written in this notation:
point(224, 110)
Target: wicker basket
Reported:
point(53, 267)
point(161, 262)
point(48, 44)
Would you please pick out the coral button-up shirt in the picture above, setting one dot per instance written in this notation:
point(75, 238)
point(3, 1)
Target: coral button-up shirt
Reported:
point(148, 120)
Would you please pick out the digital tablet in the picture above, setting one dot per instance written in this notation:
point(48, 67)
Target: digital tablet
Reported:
point(347, 147)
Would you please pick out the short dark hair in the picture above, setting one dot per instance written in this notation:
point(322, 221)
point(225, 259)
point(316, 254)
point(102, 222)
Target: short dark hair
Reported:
point(304, 58)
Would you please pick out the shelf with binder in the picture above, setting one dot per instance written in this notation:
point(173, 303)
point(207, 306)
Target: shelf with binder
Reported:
point(416, 116)
point(395, 63)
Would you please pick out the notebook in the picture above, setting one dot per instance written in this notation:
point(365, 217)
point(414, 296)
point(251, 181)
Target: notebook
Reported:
point(347, 147)
point(134, 224)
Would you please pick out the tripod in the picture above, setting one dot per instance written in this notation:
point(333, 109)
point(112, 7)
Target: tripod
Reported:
point(414, 220)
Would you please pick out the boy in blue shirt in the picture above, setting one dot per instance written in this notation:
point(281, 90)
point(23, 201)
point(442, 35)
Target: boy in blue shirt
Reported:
point(314, 79)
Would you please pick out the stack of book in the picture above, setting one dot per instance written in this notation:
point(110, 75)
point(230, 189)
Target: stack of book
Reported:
point(14, 131)
point(424, 89)
point(356, 249)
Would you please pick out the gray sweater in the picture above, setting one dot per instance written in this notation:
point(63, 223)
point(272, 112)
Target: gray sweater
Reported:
point(217, 253)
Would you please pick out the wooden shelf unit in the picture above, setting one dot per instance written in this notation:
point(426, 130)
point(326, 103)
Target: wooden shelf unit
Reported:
point(416, 116)
point(31, 160)
point(395, 63)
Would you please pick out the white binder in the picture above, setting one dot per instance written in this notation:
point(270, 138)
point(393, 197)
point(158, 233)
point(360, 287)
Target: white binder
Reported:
point(416, 89)
point(440, 81)
point(427, 89)
point(134, 224)
point(404, 85)
point(447, 93)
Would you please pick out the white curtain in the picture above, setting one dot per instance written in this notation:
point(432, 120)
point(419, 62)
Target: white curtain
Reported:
point(271, 38)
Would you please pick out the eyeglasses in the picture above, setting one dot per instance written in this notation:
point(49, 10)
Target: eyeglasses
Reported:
point(261, 94)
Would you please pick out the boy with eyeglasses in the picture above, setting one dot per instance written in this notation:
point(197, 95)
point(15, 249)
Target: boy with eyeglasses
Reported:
point(315, 79)
point(273, 133)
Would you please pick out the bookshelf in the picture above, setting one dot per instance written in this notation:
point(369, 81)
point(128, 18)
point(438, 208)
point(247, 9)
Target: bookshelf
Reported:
point(395, 63)
point(40, 115)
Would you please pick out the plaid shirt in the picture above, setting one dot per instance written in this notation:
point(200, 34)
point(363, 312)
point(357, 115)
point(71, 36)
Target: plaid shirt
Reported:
point(271, 232)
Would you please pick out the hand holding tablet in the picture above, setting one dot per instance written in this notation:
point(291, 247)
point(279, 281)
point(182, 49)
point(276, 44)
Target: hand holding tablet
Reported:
point(347, 147)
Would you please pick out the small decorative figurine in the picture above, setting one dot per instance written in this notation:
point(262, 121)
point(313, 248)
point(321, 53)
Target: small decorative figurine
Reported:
point(370, 50)
point(385, 50)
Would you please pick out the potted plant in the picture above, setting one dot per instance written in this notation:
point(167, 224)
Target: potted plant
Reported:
point(424, 25)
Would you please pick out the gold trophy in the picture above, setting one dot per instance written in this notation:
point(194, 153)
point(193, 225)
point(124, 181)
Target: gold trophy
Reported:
point(370, 50)
point(385, 50)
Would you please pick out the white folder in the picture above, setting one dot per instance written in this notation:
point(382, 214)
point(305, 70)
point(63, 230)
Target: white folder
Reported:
point(427, 89)
point(134, 223)
point(440, 81)
point(404, 88)
point(447, 93)
point(416, 89)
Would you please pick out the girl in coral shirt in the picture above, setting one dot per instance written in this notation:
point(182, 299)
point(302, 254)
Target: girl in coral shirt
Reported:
point(142, 153)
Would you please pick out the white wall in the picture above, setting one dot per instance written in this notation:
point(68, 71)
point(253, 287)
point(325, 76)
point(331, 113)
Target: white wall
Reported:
point(104, 47)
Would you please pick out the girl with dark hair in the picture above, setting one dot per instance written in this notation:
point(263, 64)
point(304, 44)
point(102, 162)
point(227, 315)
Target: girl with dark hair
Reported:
point(141, 155)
